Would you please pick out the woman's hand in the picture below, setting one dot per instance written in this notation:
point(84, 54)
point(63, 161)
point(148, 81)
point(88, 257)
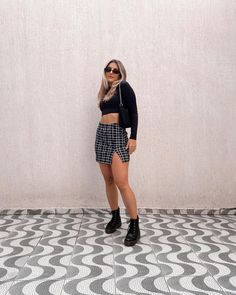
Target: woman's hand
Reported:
point(131, 144)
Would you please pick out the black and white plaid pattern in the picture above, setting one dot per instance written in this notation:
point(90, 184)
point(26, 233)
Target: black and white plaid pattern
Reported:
point(111, 138)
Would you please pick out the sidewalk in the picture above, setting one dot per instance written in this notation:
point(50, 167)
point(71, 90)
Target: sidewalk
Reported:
point(71, 254)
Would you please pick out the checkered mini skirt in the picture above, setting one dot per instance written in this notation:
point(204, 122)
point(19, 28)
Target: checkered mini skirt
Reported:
point(111, 138)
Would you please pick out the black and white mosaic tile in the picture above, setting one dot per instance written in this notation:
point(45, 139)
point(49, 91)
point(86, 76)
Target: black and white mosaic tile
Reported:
point(68, 252)
point(184, 211)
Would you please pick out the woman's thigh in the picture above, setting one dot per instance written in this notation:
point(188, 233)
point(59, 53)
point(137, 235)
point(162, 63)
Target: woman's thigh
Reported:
point(119, 171)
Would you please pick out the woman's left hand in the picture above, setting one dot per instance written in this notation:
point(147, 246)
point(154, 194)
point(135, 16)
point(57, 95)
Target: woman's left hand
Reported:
point(131, 144)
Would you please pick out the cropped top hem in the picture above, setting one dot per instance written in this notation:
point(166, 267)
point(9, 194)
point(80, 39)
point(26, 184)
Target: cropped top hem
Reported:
point(108, 111)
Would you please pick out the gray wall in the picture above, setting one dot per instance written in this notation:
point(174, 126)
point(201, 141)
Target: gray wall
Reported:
point(180, 58)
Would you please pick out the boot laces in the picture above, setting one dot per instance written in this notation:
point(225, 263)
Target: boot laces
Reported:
point(133, 225)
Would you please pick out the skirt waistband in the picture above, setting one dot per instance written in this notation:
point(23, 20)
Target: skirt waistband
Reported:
point(107, 124)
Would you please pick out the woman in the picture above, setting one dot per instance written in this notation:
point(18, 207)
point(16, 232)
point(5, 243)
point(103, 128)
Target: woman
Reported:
point(113, 148)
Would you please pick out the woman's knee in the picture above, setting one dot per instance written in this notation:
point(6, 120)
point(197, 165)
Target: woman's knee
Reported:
point(122, 185)
point(107, 173)
point(109, 180)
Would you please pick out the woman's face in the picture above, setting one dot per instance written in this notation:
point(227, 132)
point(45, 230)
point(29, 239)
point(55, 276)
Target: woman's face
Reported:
point(110, 75)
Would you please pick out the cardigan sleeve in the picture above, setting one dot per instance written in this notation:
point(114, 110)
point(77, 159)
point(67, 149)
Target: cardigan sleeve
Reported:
point(129, 97)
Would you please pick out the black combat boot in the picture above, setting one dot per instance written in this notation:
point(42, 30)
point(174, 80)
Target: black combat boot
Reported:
point(133, 233)
point(115, 222)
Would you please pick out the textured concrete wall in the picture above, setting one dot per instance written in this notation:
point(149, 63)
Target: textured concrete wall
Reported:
point(180, 58)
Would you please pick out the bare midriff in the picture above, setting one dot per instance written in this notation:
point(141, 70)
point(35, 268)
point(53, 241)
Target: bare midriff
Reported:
point(110, 118)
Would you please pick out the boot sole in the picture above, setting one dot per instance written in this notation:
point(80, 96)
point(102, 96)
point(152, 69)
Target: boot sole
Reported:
point(110, 231)
point(131, 243)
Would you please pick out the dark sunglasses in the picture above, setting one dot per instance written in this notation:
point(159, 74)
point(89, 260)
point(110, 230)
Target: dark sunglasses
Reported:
point(108, 69)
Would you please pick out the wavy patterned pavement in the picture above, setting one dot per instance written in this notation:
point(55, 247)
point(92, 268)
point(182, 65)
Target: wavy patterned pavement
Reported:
point(70, 253)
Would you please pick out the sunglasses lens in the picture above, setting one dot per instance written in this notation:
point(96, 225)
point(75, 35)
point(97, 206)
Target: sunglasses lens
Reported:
point(108, 69)
point(115, 71)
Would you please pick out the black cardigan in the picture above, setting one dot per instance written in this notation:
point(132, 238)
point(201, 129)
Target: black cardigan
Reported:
point(128, 100)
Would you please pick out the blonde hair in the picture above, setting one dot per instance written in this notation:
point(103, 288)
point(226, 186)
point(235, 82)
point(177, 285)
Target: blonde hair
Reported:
point(106, 92)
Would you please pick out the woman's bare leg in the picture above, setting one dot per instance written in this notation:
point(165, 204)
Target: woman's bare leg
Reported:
point(120, 175)
point(111, 189)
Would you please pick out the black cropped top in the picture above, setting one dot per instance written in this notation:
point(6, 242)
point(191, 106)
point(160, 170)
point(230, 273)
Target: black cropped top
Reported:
point(129, 102)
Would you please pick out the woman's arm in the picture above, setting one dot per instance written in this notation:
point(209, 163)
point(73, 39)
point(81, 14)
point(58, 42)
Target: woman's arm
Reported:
point(129, 97)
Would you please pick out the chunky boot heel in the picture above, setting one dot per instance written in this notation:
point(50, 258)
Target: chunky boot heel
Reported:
point(114, 223)
point(133, 233)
